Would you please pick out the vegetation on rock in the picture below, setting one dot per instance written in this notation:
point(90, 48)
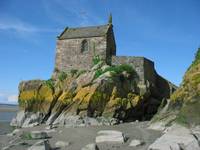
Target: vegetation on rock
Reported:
point(62, 76)
point(49, 83)
point(73, 72)
point(108, 91)
point(115, 70)
point(96, 59)
point(185, 102)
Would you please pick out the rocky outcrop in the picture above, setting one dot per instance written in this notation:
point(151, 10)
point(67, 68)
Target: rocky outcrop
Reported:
point(136, 143)
point(183, 106)
point(27, 119)
point(176, 138)
point(110, 136)
point(107, 93)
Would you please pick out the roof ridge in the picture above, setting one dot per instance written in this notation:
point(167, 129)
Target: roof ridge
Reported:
point(88, 27)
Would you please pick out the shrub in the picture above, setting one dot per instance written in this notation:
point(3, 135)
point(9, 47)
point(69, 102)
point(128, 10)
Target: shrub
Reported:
point(49, 83)
point(98, 73)
point(121, 68)
point(62, 76)
point(96, 59)
point(117, 69)
point(197, 58)
point(73, 71)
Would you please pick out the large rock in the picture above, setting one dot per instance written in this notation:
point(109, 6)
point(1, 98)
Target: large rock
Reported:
point(176, 138)
point(110, 136)
point(104, 91)
point(196, 133)
point(19, 119)
point(77, 121)
point(26, 119)
point(36, 95)
point(62, 144)
point(32, 120)
point(14, 132)
point(135, 143)
point(85, 79)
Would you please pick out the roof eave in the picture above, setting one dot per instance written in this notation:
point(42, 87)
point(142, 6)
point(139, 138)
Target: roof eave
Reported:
point(62, 33)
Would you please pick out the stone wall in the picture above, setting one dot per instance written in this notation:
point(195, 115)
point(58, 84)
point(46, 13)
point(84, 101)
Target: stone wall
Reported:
point(69, 55)
point(143, 67)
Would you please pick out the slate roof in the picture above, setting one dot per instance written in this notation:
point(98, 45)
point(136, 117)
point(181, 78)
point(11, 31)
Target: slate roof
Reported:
point(84, 32)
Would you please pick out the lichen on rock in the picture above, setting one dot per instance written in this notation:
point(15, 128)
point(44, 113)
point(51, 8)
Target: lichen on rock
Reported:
point(184, 103)
point(114, 93)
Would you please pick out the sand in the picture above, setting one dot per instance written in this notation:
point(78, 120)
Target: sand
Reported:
point(81, 136)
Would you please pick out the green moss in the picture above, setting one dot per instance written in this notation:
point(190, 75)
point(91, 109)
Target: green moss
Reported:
point(26, 136)
point(62, 76)
point(189, 113)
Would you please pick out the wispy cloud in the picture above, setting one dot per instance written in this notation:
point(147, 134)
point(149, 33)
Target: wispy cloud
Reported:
point(21, 27)
point(17, 26)
point(8, 98)
point(72, 12)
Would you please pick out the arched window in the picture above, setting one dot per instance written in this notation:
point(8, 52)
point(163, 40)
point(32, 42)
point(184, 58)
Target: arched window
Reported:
point(84, 46)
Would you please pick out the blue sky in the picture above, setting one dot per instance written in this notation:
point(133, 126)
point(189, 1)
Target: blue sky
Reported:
point(166, 32)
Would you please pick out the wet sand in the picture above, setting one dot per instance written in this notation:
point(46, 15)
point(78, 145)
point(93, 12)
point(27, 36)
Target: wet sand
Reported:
point(81, 136)
point(7, 112)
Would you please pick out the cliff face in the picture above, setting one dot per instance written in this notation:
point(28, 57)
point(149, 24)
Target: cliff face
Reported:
point(187, 97)
point(183, 106)
point(108, 92)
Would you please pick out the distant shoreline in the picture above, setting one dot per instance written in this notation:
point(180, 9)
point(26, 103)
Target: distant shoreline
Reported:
point(8, 108)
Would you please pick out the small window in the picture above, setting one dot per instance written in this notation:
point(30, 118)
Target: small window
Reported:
point(84, 46)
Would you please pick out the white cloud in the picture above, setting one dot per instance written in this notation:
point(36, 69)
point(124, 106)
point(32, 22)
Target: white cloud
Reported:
point(8, 98)
point(8, 23)
point(18, 26)
point(13, 98)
